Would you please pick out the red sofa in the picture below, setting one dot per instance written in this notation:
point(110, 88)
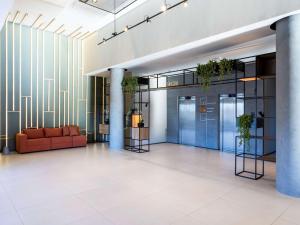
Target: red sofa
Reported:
point(43, 139)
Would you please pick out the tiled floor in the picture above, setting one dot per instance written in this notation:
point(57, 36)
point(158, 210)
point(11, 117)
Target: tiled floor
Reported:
point(172, 184)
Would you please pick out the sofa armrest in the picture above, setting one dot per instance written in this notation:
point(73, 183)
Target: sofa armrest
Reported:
point(21, 142)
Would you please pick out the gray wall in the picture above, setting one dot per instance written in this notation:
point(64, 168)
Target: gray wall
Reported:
point(207, 124)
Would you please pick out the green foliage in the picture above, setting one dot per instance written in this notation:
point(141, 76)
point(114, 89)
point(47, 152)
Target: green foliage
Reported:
point(225, 67)
point(213, 68)
point(206, 72)
point(129, 84)
point(244, 124)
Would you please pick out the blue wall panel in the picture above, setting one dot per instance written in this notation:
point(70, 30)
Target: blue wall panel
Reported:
point(47, 69)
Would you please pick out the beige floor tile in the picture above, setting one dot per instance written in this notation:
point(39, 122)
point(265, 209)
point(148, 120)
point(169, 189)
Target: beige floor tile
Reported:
point(10, 218)
point(292, 214)
point(172, 184)
point(284, 222)
point(92, 220)
point(56, 212)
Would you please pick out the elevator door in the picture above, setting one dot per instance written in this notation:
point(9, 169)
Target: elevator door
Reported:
point(228, 128)
point(187, 120)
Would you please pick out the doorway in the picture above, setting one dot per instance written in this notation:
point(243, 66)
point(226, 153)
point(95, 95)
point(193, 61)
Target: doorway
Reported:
point(228, 120)
point(187, 120)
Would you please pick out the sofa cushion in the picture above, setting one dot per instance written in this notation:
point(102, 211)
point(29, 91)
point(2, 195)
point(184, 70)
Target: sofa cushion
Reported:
point(40, 144)
point(79, 141)
point(61, 142)
point(74, 130)
point(66, 131)
point(34, 133)
point(53, 132)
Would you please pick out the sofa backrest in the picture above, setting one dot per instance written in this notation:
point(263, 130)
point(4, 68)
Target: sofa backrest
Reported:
point(53, 132)
point(33, 133)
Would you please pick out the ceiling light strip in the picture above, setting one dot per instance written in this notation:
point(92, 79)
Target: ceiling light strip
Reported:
point(76, 30)
point(73, 77)
point(23, 18)
point(43, 74)
point(87, 35)
point(77, 35)
point(69, 49)
point(37, 78)
point(36, 20)
point(49, 24)
point(6, 80)
point(54, 77)
point(31, 73)
point(58, 29)
point(146, 20)
point(84, 34)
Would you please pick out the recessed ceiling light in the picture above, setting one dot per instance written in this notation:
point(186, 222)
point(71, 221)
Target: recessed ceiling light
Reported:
point(126, 28)
point(95, 1)
point(186, 4)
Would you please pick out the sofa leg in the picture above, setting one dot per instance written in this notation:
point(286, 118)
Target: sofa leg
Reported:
point(5, 150)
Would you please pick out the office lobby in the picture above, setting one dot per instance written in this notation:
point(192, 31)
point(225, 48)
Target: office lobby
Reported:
point(149, 112)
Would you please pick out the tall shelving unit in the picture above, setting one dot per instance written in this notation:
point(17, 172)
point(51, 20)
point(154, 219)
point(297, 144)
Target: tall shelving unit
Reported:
point(105, 105)
point(250, 160)
point(137, 138)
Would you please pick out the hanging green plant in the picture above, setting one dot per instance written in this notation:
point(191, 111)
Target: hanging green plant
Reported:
point(244, 125)
point(129, 84)
point(225, 67)
point(205, 72)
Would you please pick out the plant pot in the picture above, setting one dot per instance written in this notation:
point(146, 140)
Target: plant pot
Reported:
point(239, 66)
point(143, 81)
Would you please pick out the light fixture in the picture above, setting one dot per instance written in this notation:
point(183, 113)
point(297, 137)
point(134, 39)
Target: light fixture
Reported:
point(185, 4)
point(247, 79)
point(164, 7)
point(95, 1)
point(147, 19)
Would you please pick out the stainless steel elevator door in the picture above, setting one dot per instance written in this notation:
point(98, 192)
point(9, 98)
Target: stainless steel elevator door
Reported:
point(228, 128)
point(187, 120)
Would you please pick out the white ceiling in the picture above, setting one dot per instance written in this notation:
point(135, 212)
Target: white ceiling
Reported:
point(73, 14)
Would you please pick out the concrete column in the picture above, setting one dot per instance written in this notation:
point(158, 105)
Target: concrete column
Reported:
point(116, 109)
point(288, 106)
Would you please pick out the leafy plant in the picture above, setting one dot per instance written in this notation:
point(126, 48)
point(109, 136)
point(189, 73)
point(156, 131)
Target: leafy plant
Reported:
point(244, 124)
point(206, 72)
point(225, 67)
point(129, 84)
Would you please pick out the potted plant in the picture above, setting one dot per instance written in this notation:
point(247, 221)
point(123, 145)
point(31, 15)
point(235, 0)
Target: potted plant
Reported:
point(141, 123)
point(225, 67)
point(206, 71)
point(129, 85)
point(244, 125)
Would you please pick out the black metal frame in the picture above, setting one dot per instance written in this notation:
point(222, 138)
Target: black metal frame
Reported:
point(236, 80)
point(139, 145)
point(248, 157)
point(147, 19)
point(106, 105)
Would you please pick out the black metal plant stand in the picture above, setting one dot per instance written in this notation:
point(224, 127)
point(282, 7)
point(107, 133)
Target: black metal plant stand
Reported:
point(250, 159)
point(137, 139)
